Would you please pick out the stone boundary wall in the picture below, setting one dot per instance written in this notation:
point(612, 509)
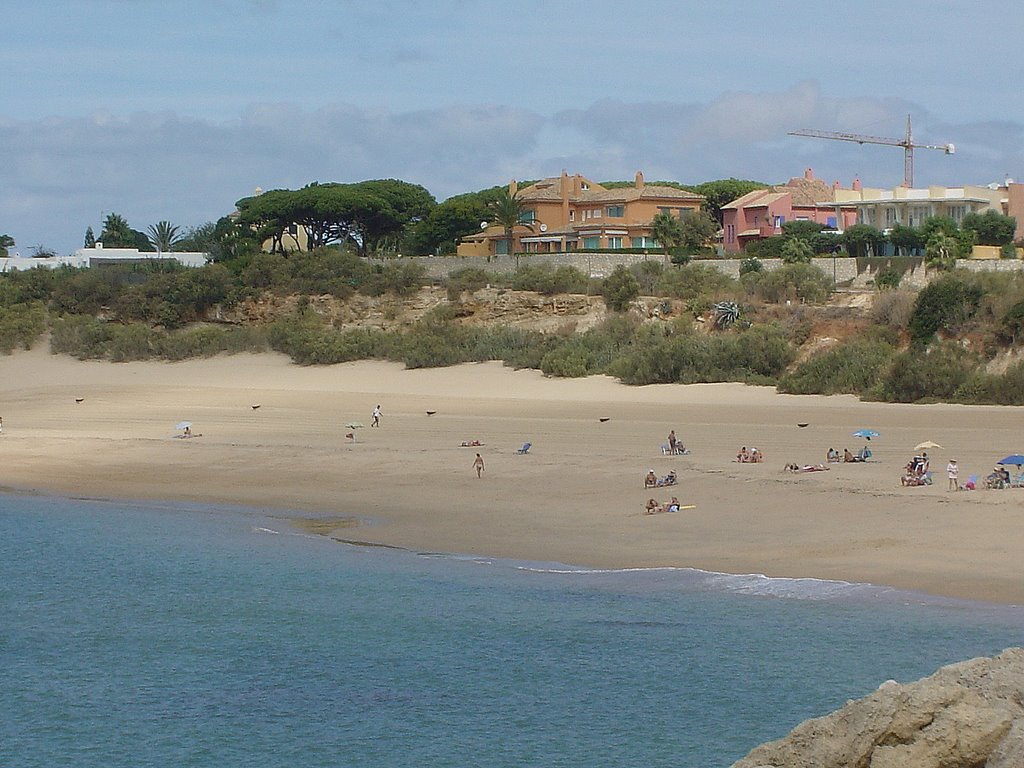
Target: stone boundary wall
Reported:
point(846, 270)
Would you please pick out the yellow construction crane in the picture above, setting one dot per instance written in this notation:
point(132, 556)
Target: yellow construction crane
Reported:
point(907, 143)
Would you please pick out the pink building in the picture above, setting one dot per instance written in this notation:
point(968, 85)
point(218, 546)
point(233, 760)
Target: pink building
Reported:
point(760, 214)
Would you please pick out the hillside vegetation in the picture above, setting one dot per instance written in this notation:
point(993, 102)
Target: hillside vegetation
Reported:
point(956, 340)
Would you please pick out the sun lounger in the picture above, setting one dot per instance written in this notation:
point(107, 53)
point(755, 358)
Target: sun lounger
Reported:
point(525, 449)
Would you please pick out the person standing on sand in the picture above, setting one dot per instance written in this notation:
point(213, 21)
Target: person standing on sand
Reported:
point(376, 417)
point(478, 465)
point(1, 425)
point(672, 442)
point(953, 473)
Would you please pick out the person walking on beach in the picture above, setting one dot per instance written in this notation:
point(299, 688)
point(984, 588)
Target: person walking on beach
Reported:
point(478, 465)
point(376, 417)
point(953, 473)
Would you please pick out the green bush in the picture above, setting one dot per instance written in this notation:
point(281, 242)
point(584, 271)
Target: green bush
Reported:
point(944, 304)
point(694, 280)
point(888, 278)
point(549, 280)
point(462, 280)
point(647, 274)
point(619, 289)
point(21, 325)
point(792, 282)
point(751, 265)
point(926, 375)
point(683, 356)
point(850, 368)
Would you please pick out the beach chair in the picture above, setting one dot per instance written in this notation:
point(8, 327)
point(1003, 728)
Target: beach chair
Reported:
point(525, 449)
point(666, 450)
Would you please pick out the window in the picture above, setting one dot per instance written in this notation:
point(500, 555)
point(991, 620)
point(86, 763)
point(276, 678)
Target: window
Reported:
point(596, 213)
point(730, 233)
point(637, 242)
point(591, 243)
point(528, 217)
point(779, 221)
point(957, 212)
point(584, 186)
point(293, 229)
point(615, 211)
point(572, 214)
point(830, 222)
point(891, 216)
point(501, 247)
point(614, 242)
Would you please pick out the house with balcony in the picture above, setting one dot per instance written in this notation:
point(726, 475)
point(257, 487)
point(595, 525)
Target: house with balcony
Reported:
point(572, 213)
point(910, 207)
point(760, 214)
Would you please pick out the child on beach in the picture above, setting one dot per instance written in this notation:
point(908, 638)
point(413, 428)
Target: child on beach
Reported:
point(478, 465)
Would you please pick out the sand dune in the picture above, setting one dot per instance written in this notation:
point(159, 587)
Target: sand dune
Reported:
point(577, 497)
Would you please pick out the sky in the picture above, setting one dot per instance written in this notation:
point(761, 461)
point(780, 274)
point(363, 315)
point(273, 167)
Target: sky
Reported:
point(174, 109)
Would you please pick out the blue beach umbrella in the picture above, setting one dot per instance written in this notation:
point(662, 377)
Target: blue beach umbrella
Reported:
point(1014, 459)
point(867, 434)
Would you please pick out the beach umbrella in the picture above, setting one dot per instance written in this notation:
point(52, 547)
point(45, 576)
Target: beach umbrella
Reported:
point(1015, 459)
point(183, 425)
point(867, 434)
point(927, 445)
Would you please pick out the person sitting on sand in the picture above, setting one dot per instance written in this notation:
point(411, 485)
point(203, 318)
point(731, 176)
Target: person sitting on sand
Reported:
point(651, 480)
point(673, 505)
point(743, 456)
point(669, 479)
point(756, 457)
point(847, 456)
point(832, 456)
point(791, 467)
point(653, 507)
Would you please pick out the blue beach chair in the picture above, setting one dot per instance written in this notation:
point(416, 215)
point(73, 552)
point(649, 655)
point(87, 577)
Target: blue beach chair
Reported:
point(525, 449)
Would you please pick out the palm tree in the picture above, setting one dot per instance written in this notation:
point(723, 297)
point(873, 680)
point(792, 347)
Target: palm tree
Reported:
point(667, 230)
point(164, 236)
point(507, 211)
point(116, 232)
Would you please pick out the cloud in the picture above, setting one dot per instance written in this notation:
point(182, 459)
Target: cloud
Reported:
point(63, 174)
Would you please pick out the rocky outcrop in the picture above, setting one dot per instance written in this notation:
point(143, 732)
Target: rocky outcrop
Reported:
point(966, 715)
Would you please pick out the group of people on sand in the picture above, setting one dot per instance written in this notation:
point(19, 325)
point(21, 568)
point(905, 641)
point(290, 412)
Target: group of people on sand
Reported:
point(749, 456)
point(675, 445)
point(651, 480)
point(653, 507)
point(916, 472)
point(834, 457)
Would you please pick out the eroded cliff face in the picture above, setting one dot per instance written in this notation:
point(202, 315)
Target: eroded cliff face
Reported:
point(966, 715)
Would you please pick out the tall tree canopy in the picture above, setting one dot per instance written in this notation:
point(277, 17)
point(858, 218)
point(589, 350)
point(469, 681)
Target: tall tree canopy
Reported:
point(990, 228)
point(370, 215)
point(118, 234)
point(440, 230)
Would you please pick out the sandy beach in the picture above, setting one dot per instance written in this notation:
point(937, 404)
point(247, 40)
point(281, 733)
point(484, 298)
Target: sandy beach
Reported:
point(96, 429)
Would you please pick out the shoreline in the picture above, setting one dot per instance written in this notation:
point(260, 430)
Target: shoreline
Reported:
point(576, 498)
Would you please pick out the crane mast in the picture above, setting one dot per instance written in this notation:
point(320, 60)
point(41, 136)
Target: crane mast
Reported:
point(907, 142)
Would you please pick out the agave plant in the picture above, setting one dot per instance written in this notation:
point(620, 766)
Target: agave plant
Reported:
point(725, 314)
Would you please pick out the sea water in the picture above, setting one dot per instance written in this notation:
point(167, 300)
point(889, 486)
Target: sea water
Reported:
point(167, 635)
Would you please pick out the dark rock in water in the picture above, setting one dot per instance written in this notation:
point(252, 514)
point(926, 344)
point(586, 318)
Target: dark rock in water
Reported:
point(966, 715)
